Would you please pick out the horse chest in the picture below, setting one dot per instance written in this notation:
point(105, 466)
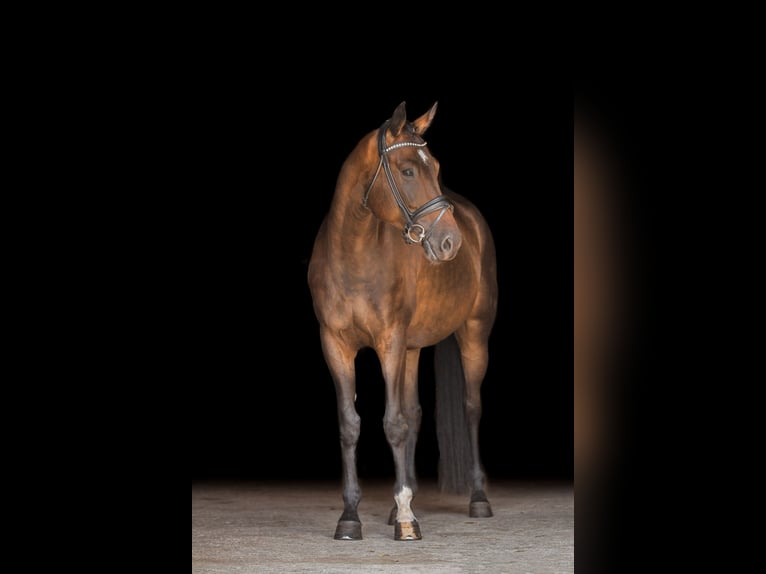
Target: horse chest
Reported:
point(365, 311)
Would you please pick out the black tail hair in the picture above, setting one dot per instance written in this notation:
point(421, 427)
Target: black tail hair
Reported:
point(451, 423)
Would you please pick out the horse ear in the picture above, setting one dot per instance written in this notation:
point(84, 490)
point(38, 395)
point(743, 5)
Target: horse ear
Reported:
point(421, 124)
point(398, 119)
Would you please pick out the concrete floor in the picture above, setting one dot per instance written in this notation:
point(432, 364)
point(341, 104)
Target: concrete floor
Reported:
point(270, 527)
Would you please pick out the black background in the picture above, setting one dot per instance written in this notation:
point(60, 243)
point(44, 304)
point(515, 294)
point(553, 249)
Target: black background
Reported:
point(261, 161)
point(260, 140)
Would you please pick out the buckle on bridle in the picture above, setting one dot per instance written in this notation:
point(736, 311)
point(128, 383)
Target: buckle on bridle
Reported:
point(407, 232)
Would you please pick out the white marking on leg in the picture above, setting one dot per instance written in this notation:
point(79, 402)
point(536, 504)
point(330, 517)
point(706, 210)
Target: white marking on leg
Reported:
point(404, 512)
point(423, 156)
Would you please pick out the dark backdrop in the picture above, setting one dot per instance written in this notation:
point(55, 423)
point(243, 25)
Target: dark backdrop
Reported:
point(261, 164)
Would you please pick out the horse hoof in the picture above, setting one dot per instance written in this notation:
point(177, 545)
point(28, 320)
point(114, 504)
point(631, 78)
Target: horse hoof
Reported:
point(479, 509)
point(407, 531)
point(348, 530)
point(392, 516)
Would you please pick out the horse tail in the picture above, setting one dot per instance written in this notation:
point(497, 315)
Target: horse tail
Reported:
point(452, 432)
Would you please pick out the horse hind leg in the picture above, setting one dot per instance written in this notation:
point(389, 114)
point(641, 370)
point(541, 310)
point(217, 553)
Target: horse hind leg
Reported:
point(475, 360)
point(461, 363)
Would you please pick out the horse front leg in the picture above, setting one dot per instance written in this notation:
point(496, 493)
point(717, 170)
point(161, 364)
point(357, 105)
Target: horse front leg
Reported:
point(400, 423)
point(340, 360)
point(412, 415)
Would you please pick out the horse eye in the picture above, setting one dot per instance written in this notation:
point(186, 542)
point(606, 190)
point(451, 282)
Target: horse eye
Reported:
point(409, 172)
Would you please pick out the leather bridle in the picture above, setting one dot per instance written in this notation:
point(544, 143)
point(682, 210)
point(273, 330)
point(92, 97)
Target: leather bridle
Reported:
point(411, 224)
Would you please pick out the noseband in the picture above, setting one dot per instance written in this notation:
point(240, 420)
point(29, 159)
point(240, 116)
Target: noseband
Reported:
point(411, 225)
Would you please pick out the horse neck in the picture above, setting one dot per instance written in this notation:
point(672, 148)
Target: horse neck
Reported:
point(353, 227)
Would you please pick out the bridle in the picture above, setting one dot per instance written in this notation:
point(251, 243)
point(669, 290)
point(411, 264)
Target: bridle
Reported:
point(411, 224)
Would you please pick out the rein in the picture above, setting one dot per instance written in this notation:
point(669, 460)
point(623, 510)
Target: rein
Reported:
point(439, 202)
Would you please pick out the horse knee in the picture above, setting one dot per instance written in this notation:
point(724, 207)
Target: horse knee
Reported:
point(414, 416)
point(396, 429)
point(473, 410)
point(416, 413)
point(350, 426)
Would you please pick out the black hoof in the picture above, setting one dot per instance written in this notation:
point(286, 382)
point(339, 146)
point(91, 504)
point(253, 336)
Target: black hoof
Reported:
point(348, 530)
point(479, 509)
point(407, 531)
point(392, 516)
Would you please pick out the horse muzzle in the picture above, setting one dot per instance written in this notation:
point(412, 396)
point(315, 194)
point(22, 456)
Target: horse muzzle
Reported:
point(442, 246)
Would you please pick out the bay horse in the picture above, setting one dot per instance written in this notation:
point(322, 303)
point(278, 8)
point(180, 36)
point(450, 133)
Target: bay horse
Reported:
point(399, 263)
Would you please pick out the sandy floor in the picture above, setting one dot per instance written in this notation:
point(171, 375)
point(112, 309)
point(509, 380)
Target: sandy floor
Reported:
point(269, 527)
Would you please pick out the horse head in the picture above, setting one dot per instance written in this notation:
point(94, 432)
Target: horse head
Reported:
point(409, 196)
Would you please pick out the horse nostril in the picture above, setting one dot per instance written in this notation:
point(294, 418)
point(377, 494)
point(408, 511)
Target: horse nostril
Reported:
point(449, 246)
